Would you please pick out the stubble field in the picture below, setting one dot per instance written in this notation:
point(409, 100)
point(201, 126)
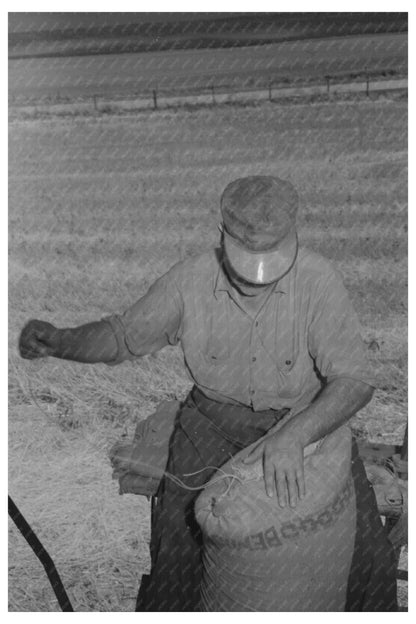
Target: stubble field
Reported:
point(99, 207)
point(59, 78)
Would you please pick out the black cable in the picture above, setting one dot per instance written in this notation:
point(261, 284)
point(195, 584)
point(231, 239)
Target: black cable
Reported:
point(42, 555)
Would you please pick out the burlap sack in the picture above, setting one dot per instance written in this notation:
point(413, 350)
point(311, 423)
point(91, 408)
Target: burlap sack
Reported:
point(261, 557)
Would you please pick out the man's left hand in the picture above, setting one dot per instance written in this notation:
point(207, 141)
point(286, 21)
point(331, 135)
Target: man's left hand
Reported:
point(282, 457)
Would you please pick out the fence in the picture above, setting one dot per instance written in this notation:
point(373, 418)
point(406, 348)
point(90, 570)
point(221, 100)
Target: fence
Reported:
point(216, 94)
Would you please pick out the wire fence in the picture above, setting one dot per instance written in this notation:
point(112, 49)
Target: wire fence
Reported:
point(328, 87)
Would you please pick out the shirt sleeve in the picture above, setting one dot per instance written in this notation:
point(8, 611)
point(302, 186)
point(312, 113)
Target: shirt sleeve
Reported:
point(150, 324)
point(334, 336)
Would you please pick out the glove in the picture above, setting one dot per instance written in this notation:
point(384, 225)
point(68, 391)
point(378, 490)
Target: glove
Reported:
point(140, 465)
point(38, 339)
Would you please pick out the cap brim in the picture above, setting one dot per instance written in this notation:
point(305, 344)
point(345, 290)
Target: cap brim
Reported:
point(262, 267)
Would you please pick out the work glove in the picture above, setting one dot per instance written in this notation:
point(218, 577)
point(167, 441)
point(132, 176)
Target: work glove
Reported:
point(38, 339)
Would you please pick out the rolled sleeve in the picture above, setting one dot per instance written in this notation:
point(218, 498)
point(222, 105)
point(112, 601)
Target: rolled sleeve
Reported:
point(334, 337)
point(150, 324)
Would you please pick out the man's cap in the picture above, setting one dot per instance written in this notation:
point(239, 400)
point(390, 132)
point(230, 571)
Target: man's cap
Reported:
point(259, 217)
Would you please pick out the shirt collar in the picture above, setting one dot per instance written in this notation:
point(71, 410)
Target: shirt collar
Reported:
point(223, 285)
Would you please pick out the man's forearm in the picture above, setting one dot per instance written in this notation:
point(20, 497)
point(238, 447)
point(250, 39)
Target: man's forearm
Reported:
point(336, 404)
point(90, 343)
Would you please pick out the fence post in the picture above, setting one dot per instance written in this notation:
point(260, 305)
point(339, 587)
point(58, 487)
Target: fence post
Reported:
point(213, 94)
point(94, 97)
point(270, 90)
point(367, 87)
point(328, 80)
point(155, 99)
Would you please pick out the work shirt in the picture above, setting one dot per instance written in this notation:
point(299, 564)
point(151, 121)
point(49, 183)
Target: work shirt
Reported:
point(304, 335)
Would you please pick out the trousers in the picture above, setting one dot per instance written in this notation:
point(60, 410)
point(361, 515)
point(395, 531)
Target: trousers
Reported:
point(206, 435)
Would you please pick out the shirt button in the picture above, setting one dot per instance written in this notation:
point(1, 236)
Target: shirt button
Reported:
point(253, 359)
point(288, 362)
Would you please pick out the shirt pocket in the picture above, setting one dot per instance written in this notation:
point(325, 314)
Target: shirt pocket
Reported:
point(287, 333)
point(216, 352)
point(286, 350)
point(290, 367)
point(286, 342)
point(289, 360)
point(216, 347)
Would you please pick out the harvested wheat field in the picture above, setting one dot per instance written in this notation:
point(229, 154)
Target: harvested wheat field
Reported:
point(100, 206)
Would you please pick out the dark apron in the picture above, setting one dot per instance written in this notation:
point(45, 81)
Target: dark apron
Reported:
point(206, 435)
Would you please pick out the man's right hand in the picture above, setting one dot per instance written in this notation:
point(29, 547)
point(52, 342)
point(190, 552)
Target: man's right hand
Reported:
point(38, 339)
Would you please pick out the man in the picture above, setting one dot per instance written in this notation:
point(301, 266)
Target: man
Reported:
point(267, 332)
